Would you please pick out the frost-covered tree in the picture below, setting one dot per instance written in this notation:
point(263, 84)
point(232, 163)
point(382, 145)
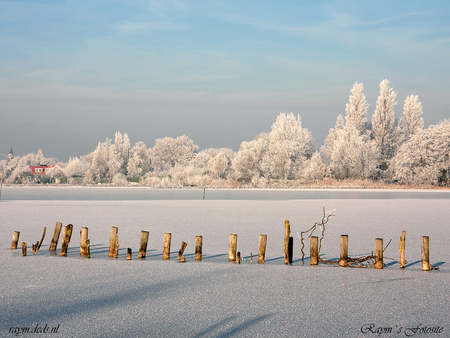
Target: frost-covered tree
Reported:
point(425, 157)
point(412, 112)
point(356, 108)
point(168, 152)
point(247, 162)
point(383, 118)
point(348, 153)
point(76, 167)
point(139, 162)
point(220, 164)
point(289, 146)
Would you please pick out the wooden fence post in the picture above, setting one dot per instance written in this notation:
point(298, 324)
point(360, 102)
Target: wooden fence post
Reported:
point(314, 250)
point(55, 238)
point(15, 239)
point(129, 254)
point(113, 239)
point(88, 248)
point(287, 234)
point(143, 244)
point(166, 247)
point(24, 249)
point(238, 259)
point(198, 248)
point(291, 249)
point(183, 247)
point(378, 253)
point(232, 248)
point(426, 253)
point(261, 250)
point(344, 250)
point(402, 250)
point(66, 236)
point(83, 239)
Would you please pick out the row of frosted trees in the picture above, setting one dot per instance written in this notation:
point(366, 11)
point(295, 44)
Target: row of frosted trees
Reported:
point(385, 149)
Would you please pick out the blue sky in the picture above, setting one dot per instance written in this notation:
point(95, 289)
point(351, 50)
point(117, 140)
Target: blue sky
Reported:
point(74, 72)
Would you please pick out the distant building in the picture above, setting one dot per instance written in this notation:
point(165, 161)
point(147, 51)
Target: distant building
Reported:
point(41, 169)
point(10, 156)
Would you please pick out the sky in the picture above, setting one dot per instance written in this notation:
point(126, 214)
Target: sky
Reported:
point(72, 73)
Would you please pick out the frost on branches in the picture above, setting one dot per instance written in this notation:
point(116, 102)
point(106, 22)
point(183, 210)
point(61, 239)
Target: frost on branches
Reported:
point(385, 149)
point(383, 118)
point(425, 157)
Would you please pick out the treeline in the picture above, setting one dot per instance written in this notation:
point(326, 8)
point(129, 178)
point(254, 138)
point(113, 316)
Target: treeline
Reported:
point(385, 150)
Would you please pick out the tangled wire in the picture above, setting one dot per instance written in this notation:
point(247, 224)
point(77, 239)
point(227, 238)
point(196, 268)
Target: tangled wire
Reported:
point(359, 262)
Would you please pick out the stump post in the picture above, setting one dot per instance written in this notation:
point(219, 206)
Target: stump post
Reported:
point(378, 253)
point(198, 248)
point(232, 248)
point(88, 248)
point(66, 236)
point(166, 246)
point(183, 247)
point(291, 249)
point(261, 250)
point(38, 244)
point(287, 234)
point(129, 254)
point(401, 249)
point(15, 239)
point(113, 238)
point(238, 259)
point(314, 250)
point(55, 237)
point(344, 250)
point(83, 241)
point(24, 249)
point(143, 244)
point(426, 266)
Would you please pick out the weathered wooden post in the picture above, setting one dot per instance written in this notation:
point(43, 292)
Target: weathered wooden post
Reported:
point(198, 248)
point(287, 234)
point(88, 248)
point(33, 248)
point(232, 248)
point(344, 250)
point(83, 239)
point(166, 247)
point(143, 244)
point(113, 239)
point(379, 253)
point(24, 249)
point(291, 249)
point(426, 266)
point(401, 249)
point(262, 250)
point(55, 238)
point(66, 236)
point(183, 247)
point(129, 254)
point(314, 250)
point(251, 257)
point(238, 259)
point(39, 243)
point(15, 239)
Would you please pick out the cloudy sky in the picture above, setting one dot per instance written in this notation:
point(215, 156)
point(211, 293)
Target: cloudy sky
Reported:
point(72, 73)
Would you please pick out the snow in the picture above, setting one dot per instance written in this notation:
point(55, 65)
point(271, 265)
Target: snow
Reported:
point(101, 297)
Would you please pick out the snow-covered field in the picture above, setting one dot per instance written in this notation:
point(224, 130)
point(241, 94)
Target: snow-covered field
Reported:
point(101, 297)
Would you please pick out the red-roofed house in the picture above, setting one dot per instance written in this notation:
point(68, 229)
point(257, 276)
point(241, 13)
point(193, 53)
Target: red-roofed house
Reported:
point(41, 169)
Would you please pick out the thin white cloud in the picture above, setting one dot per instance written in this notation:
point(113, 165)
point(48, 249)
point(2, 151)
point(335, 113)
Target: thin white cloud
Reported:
point(130, 27)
